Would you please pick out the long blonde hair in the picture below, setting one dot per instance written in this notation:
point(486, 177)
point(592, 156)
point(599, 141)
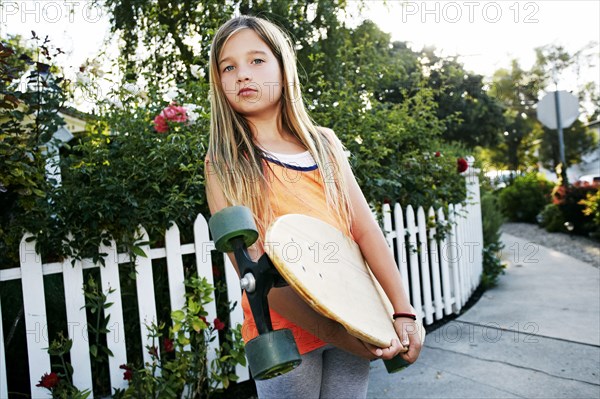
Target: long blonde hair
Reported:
point(237, 160)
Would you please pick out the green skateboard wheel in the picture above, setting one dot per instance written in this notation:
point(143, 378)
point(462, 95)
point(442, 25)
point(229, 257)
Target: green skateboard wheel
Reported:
point(232, 222)
point(396, 364)
point(272, 354)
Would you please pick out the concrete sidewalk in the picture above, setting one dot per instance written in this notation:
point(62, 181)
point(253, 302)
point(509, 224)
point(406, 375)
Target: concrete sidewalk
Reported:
point(535, 335)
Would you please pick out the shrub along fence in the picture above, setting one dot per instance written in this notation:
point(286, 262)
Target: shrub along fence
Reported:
point(440, 271)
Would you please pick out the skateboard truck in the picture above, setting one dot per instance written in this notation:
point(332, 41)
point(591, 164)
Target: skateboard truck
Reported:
point(271, 353)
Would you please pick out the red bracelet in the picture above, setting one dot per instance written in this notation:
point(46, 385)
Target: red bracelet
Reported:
point(409, 315)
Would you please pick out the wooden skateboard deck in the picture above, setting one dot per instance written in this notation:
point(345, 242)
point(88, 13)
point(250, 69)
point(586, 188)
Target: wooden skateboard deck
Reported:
point(328, 271)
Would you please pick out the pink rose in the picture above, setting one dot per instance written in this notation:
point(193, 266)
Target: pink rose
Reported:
point(172, 113)
point(160, 124)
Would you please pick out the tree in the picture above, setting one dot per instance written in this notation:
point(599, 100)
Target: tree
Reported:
point(179, 34)
point(392, 145)
point(472, 116)
point(517, 90)
point(578, 139)
point(553, 62)
point(28, 119)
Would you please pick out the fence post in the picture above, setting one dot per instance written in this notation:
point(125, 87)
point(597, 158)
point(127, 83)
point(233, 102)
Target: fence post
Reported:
point(424, 262)
point(204, 269)
point(115, 338)
point(77, 323)
point(443, 246)
point(3, 380)
point(36, 324)
point(415, 279)
point(453, 261)
point(401, 246)
point(475, 220)
point(236, 316)
point(144, 284)
point(434, 252)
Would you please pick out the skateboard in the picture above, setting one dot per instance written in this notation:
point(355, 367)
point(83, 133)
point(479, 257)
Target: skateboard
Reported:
point(323, 266)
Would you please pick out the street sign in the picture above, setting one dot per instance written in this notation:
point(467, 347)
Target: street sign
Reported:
point(569, 109)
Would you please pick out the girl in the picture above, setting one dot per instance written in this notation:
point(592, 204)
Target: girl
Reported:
point(267, 154)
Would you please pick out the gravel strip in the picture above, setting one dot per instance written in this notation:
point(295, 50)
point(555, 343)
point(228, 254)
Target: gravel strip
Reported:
point(582, 248)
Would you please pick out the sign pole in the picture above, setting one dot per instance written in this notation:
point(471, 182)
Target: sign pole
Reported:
point(561, 142)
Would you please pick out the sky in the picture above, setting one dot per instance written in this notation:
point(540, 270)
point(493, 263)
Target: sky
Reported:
point(486, 35)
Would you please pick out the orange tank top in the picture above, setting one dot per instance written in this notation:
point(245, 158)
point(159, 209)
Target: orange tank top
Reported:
point(293, 189)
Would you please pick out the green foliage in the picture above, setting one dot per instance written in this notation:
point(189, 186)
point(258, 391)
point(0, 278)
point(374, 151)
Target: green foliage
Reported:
point(592, 210)
point(578, 141)
point(492, 264)
point(180, 365)
point(552, 219)
point(131, 175)
point(96, 303)
point(571, 201)
point(64, 388)
point(518, 90)
point(470, 114)
point(525, 197)
point(492, 218)
point(167, 24)
point(392, 146)
point(122, 175)
point(28, 119)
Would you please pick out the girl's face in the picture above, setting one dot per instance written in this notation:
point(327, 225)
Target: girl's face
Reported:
point(250, 74)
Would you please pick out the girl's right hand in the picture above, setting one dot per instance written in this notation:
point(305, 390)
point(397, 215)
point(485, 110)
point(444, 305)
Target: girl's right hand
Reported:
point(390, 352)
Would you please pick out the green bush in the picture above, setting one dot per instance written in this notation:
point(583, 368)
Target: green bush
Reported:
point(28, 120)
point(572, 203)
point(525, 197)
point(592, 210)
point(492, 265)
point(492, 219)
point(552, 219)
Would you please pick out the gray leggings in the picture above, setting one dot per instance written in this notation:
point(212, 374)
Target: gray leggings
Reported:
point(327, 372)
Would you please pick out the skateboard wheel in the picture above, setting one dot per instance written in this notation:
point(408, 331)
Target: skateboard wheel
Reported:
point(272, 354)
point(396, 364)
point(232, 222)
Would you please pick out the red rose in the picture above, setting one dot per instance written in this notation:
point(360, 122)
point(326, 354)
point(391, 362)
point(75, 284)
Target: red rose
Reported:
point(461, 165)
point(49, 380)
point(219, 325)
point(128, 374)
point(168, 344)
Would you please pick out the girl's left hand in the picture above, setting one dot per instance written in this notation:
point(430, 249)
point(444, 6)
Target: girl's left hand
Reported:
point(410, 335)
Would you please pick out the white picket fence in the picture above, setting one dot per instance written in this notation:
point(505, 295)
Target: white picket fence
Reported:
point(438, 275)
point(32, 272)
